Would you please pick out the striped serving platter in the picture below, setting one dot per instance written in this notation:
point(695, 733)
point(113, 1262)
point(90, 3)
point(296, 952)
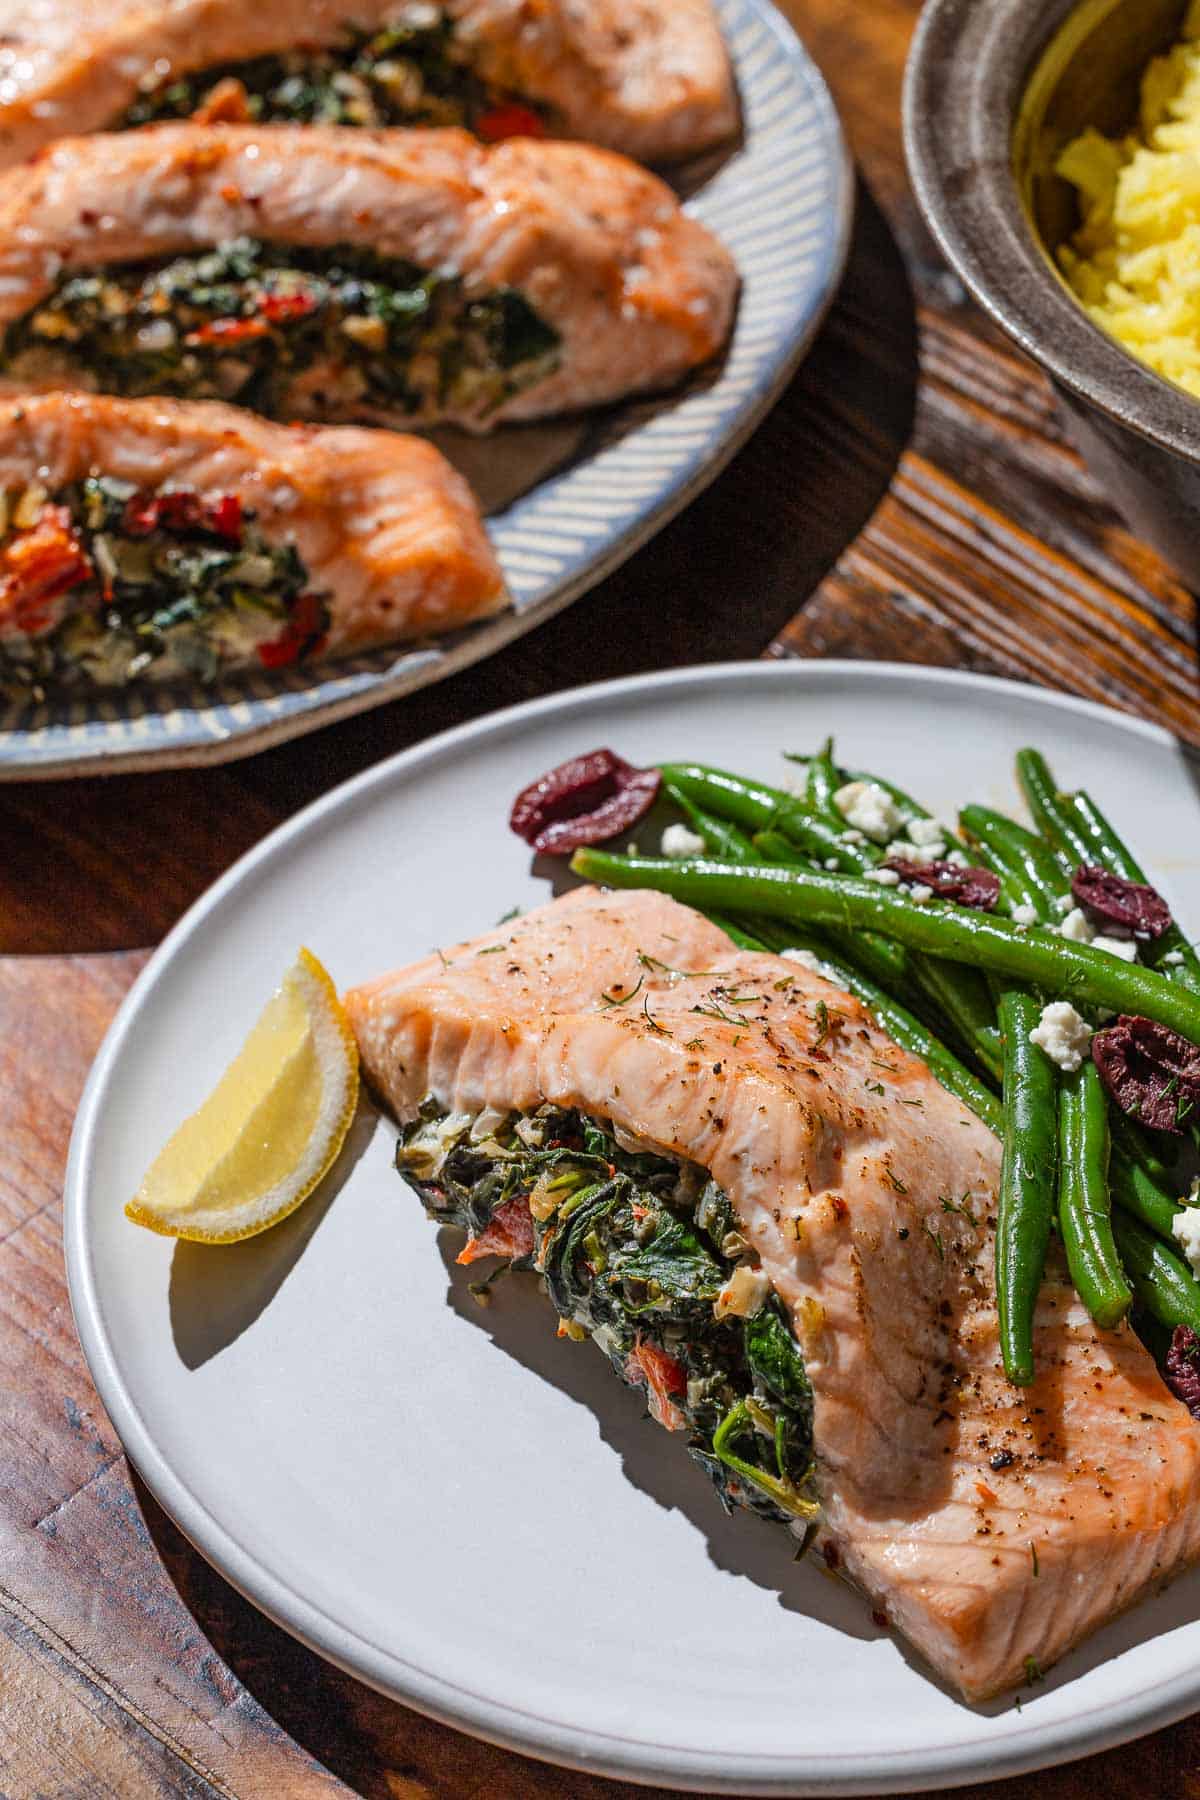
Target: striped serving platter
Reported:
point(783, 202)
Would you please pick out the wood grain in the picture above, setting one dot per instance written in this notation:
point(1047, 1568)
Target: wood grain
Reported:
point(913, 497)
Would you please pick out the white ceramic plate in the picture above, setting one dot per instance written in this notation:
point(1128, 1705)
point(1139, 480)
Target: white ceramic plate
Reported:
point(568, 502)
point(447, 1501)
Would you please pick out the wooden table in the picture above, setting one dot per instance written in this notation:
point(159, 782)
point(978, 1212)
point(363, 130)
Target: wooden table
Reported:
point(912, 497)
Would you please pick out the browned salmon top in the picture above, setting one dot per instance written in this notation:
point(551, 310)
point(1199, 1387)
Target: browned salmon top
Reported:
point(993, 1525)
point(648, 77)
point(632, 291)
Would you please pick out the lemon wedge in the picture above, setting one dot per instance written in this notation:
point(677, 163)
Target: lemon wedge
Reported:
point(270, 1129)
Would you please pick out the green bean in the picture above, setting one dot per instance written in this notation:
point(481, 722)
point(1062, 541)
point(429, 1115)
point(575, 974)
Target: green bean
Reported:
point(1022, 856)
point(823, 782)
point(754, 806)
point(751, 804)
point(1136, 1147)
point(1102, 845)
point(959, 993)
point(1160, 1278)
point(1051, 810)
point(814, 843)
point(821, 842)
point(742, 938)
point(721, 838)
point(884, 961)
point(1027, 1184)
point(964, 997)
point(1135, 1190)
point(957, 934)
point(1084, 1202)
point(1105, 848)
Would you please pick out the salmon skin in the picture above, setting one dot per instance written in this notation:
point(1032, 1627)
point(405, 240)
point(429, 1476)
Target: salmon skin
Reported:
point(153, 538)
point(647, 77)
point(385, 277)
point(995, 1527)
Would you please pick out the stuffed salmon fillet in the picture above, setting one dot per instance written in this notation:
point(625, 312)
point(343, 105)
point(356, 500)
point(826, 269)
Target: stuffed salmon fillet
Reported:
point(384, 277)
point(648, 77)
point(154, 538)
point(778, 1223)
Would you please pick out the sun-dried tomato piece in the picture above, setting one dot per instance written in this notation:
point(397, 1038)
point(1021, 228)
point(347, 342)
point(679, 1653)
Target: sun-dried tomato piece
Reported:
point(38, 566)
point(508, 120)
point(225, 517)
point(508, 1233)
point(585, 801)
point(282, 309)
point(1151, 1072)
point(227, 331)
point(183, 509)
point(1182, 1369)
point(663, 1378)
point(950, 881)
point(304, 634)
point(1108, 899)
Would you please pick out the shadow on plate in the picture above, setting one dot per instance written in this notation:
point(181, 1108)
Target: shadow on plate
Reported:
point(217, 1291)
point(519, 1321)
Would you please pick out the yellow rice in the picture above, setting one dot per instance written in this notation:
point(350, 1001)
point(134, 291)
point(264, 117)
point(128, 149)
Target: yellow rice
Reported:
point(1135, 261)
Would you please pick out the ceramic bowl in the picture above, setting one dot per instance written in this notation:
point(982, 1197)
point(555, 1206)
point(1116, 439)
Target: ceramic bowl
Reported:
point(994, 91)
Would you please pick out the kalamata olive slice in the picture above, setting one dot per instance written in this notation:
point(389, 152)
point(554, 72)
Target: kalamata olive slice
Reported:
point(584, 801)
point(1109, 900)
point(1152, 1073)
point(950, 881)
point(1183, 1368)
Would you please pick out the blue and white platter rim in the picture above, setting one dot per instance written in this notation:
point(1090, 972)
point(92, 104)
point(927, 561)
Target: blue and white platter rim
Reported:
point(784, 204)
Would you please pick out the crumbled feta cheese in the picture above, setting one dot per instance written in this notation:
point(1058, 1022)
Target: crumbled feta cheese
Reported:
point(1173, 959)
point(831, 862)
point(926, 832)
point(851, 836)
point(743, 1295)
point(920, 893)
point(488, 1122)
point(1185, 1229)
point(902, 849)
point(885, 877)
point(807, 959)
point(868, 808)
point(1062, 1034)
point(1065, 902)
point(428, 1148)
point(1077, 926)
point(1125, 948)
point(958, 858)
point(1024, 914)
point(681, 841)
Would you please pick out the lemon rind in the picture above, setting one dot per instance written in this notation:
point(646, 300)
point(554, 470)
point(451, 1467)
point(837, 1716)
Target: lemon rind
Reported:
point(337, 1052)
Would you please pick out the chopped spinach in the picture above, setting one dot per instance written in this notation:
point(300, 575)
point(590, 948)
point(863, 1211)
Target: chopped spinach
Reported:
point(161, 584)
point(288, 329)
point(635, 1250)
point(412, 71)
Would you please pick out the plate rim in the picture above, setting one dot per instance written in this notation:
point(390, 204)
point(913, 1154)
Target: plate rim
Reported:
point(458, 651)
point(1025, 1748)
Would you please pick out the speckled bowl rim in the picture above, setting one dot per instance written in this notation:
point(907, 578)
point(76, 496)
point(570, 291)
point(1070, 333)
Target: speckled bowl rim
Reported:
point(967, 71)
